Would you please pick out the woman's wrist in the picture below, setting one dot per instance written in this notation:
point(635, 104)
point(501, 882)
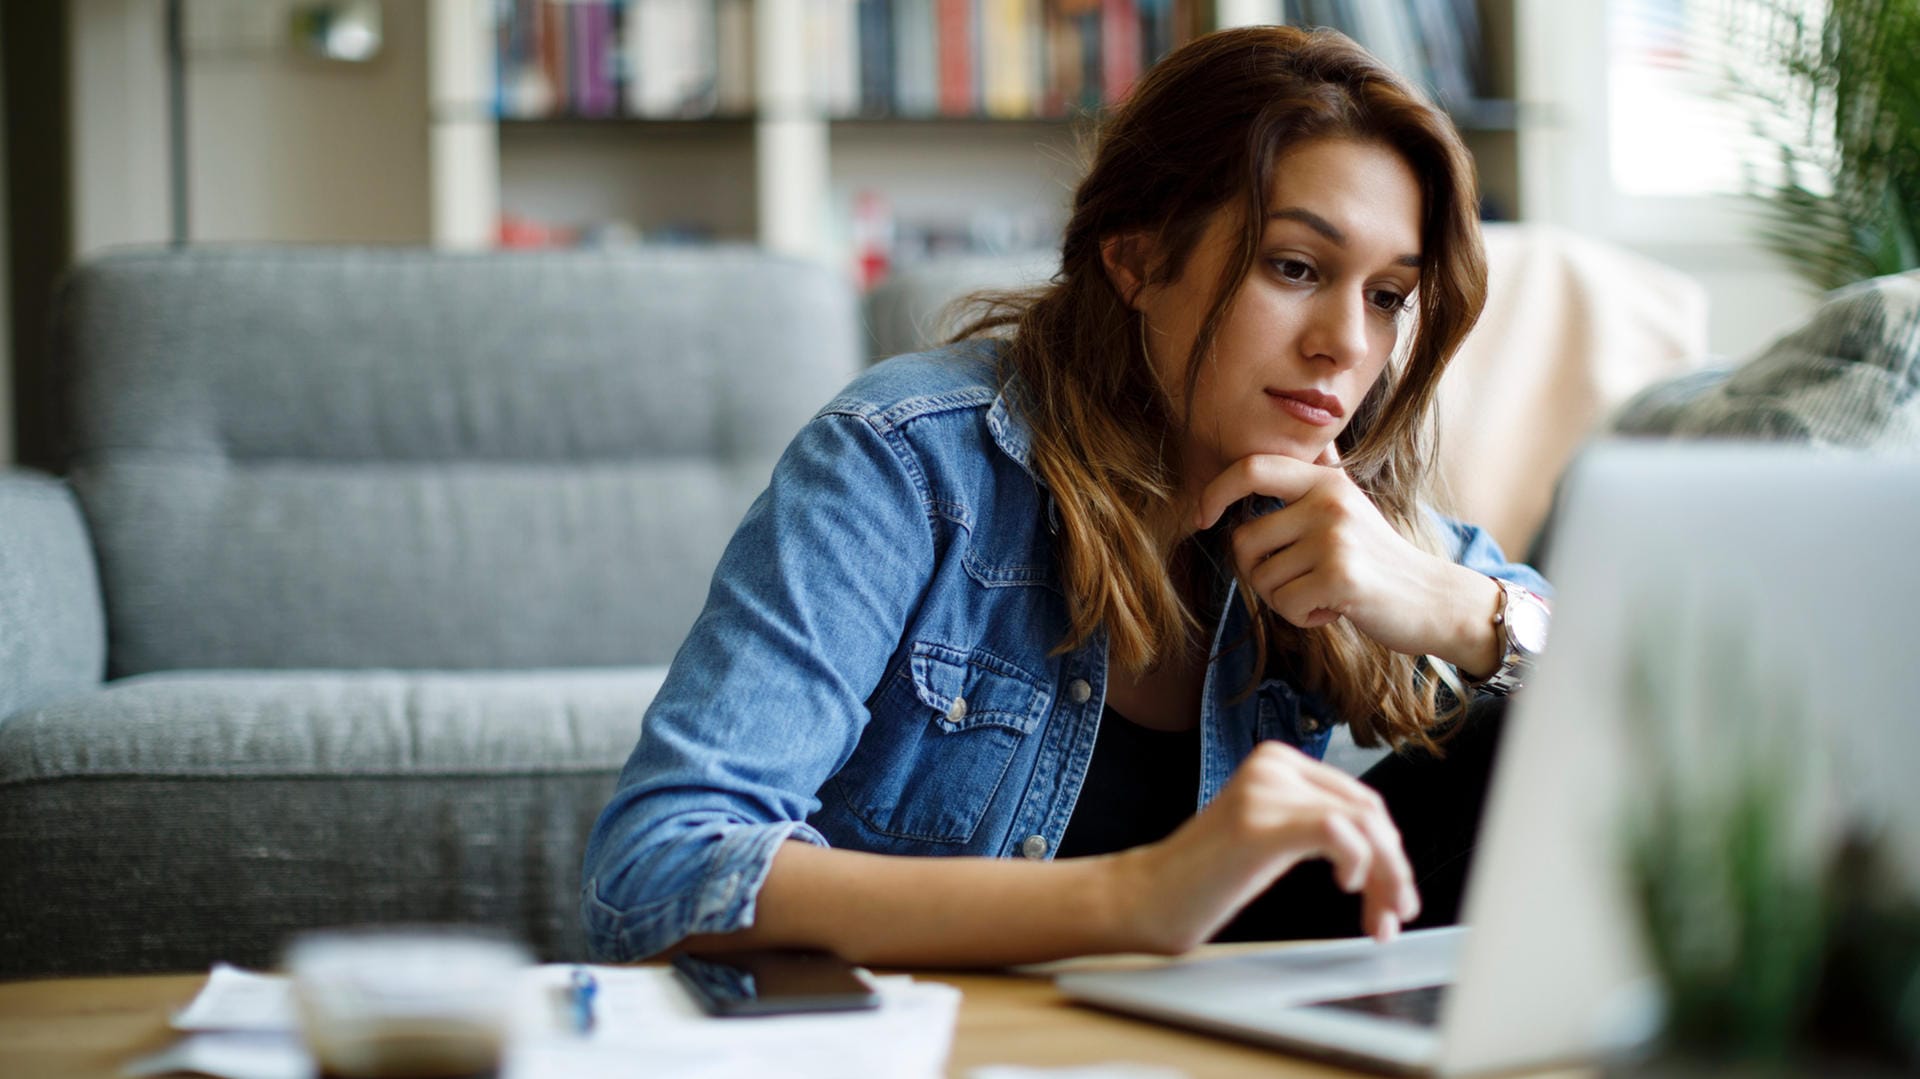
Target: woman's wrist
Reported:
point(1468, 638)
point(1130, 921)
point(1121, 916)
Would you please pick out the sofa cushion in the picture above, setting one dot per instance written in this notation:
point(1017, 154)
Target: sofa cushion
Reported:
point(917, 307)
point(375, 458)
point(1849, 377)
point(213, 564)
point(400, 354)
point(52, 636)
point(213, 813)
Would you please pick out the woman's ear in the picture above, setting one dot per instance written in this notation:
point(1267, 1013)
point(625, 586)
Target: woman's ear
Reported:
point(1125, 257)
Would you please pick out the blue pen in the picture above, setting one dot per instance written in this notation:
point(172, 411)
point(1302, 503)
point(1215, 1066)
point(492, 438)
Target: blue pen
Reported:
point(580, 990)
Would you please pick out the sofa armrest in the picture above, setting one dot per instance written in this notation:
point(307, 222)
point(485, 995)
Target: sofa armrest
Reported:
point(53, 639)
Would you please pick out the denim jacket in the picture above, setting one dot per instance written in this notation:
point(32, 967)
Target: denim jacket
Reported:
point(872, 669)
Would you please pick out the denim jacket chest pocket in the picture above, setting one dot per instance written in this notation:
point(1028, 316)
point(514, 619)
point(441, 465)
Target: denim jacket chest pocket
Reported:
point(945, 726)
point(1299, 719)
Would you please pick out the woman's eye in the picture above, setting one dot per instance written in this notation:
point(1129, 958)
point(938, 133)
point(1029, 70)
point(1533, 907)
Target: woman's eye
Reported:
point(1293, 269)
point(1389, 301)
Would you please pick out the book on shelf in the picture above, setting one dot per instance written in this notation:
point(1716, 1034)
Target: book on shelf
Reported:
point(1009, 59)
point(1434, 43)
point(557, 57)
point(954, 42)
point(604, 58)
point(1004, 63)
point(916, 59)
point(1005, 59)
point(1119, 47)
point(684, 59)
point(673, 46)
point(875, 19)
point(733, 58)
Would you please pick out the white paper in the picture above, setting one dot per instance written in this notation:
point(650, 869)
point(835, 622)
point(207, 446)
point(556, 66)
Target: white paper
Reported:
point(644, 1022)
point(229, 1055)
point(643, 1017)
point(236, 999)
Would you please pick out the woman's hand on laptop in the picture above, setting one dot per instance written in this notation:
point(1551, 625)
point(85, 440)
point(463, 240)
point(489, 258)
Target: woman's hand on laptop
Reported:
point(1280, 808)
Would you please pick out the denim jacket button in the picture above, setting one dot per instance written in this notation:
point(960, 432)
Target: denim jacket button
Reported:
point(1309, 725)
point(1034, 847)
point(957, 711)
point(1080, 691)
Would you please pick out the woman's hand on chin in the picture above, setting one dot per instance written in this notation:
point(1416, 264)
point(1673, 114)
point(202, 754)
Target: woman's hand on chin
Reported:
point(1329, 554)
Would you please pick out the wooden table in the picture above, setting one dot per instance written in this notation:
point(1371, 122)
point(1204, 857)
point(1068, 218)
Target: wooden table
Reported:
point(86, 1028)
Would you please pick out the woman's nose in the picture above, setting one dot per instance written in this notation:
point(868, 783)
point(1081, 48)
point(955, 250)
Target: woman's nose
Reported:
point(1338, 331)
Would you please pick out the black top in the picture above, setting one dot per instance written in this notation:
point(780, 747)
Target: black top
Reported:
point(1141, 784)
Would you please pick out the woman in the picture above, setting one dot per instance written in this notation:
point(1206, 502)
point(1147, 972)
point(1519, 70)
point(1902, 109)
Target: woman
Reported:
point(1125, 551)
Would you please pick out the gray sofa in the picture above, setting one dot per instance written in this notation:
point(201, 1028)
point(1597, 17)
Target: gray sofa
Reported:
point(364, 568)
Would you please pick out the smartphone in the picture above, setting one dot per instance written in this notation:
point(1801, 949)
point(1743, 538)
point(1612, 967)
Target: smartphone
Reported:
point(775, 982)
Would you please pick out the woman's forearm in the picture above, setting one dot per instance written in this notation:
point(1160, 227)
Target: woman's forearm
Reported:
point(894, 910)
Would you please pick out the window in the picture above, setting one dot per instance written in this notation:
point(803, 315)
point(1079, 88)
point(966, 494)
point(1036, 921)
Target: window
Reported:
point(1638, 138)
point(1676, 124)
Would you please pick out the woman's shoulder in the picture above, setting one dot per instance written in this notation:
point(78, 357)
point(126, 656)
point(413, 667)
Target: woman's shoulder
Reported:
point(894, 392)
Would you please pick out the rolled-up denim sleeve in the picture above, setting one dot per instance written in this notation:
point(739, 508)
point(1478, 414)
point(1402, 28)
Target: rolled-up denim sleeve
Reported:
point(767, 696)
point(1475, 549)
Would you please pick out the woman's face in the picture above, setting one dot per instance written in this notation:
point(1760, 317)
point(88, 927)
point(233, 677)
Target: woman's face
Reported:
point(1309, 331)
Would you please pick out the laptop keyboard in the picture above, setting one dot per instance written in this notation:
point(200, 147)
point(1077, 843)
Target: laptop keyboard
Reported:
point(1418, 1006)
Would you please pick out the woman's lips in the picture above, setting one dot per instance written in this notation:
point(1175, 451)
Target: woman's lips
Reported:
point(1307, 406)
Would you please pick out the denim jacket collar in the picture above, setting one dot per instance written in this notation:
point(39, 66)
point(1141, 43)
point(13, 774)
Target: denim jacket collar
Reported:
point(1011, 433)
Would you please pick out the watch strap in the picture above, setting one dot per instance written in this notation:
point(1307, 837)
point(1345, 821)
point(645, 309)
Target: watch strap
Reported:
point(1516, 661)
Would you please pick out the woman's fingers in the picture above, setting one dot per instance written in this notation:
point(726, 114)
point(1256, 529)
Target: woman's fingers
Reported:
point(1384, 928)
point(1302, 587)
point(1392, 870)
point(1261, 473)
point(1346, 844)
point(1297, 567)
point(1342, 559)
point(1282, 807)
point(1367, 860)
point(1311, 599)
point(1344, 787)
point(1259, 539)
point(1389, 885)
point(1392, 882)
point(1274, 568)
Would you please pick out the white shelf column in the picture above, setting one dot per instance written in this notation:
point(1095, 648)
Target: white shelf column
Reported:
point(790, 136)
point(463, 151)
point(1230, 13)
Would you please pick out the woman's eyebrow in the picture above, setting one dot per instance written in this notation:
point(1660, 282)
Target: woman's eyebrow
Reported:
point(1326, 228)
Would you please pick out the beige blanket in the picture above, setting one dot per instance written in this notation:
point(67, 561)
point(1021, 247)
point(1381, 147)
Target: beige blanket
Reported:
point(1572, 328)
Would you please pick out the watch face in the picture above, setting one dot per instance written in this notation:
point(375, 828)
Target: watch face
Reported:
point(1527, 621)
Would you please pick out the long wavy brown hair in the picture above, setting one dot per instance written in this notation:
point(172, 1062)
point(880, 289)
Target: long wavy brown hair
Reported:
point(1202, 133)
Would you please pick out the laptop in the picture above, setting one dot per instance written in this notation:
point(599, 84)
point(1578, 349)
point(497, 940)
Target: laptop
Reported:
point(1721, 575)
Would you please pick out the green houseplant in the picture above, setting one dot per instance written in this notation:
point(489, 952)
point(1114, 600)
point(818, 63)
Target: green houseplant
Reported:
point(1779, 948)
point(1832, 92)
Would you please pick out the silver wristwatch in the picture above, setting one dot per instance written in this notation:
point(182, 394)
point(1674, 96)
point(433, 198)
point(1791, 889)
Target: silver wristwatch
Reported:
point(1520, 621)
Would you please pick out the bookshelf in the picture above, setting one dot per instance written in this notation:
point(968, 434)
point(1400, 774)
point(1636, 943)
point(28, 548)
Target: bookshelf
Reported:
point(787, 147)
